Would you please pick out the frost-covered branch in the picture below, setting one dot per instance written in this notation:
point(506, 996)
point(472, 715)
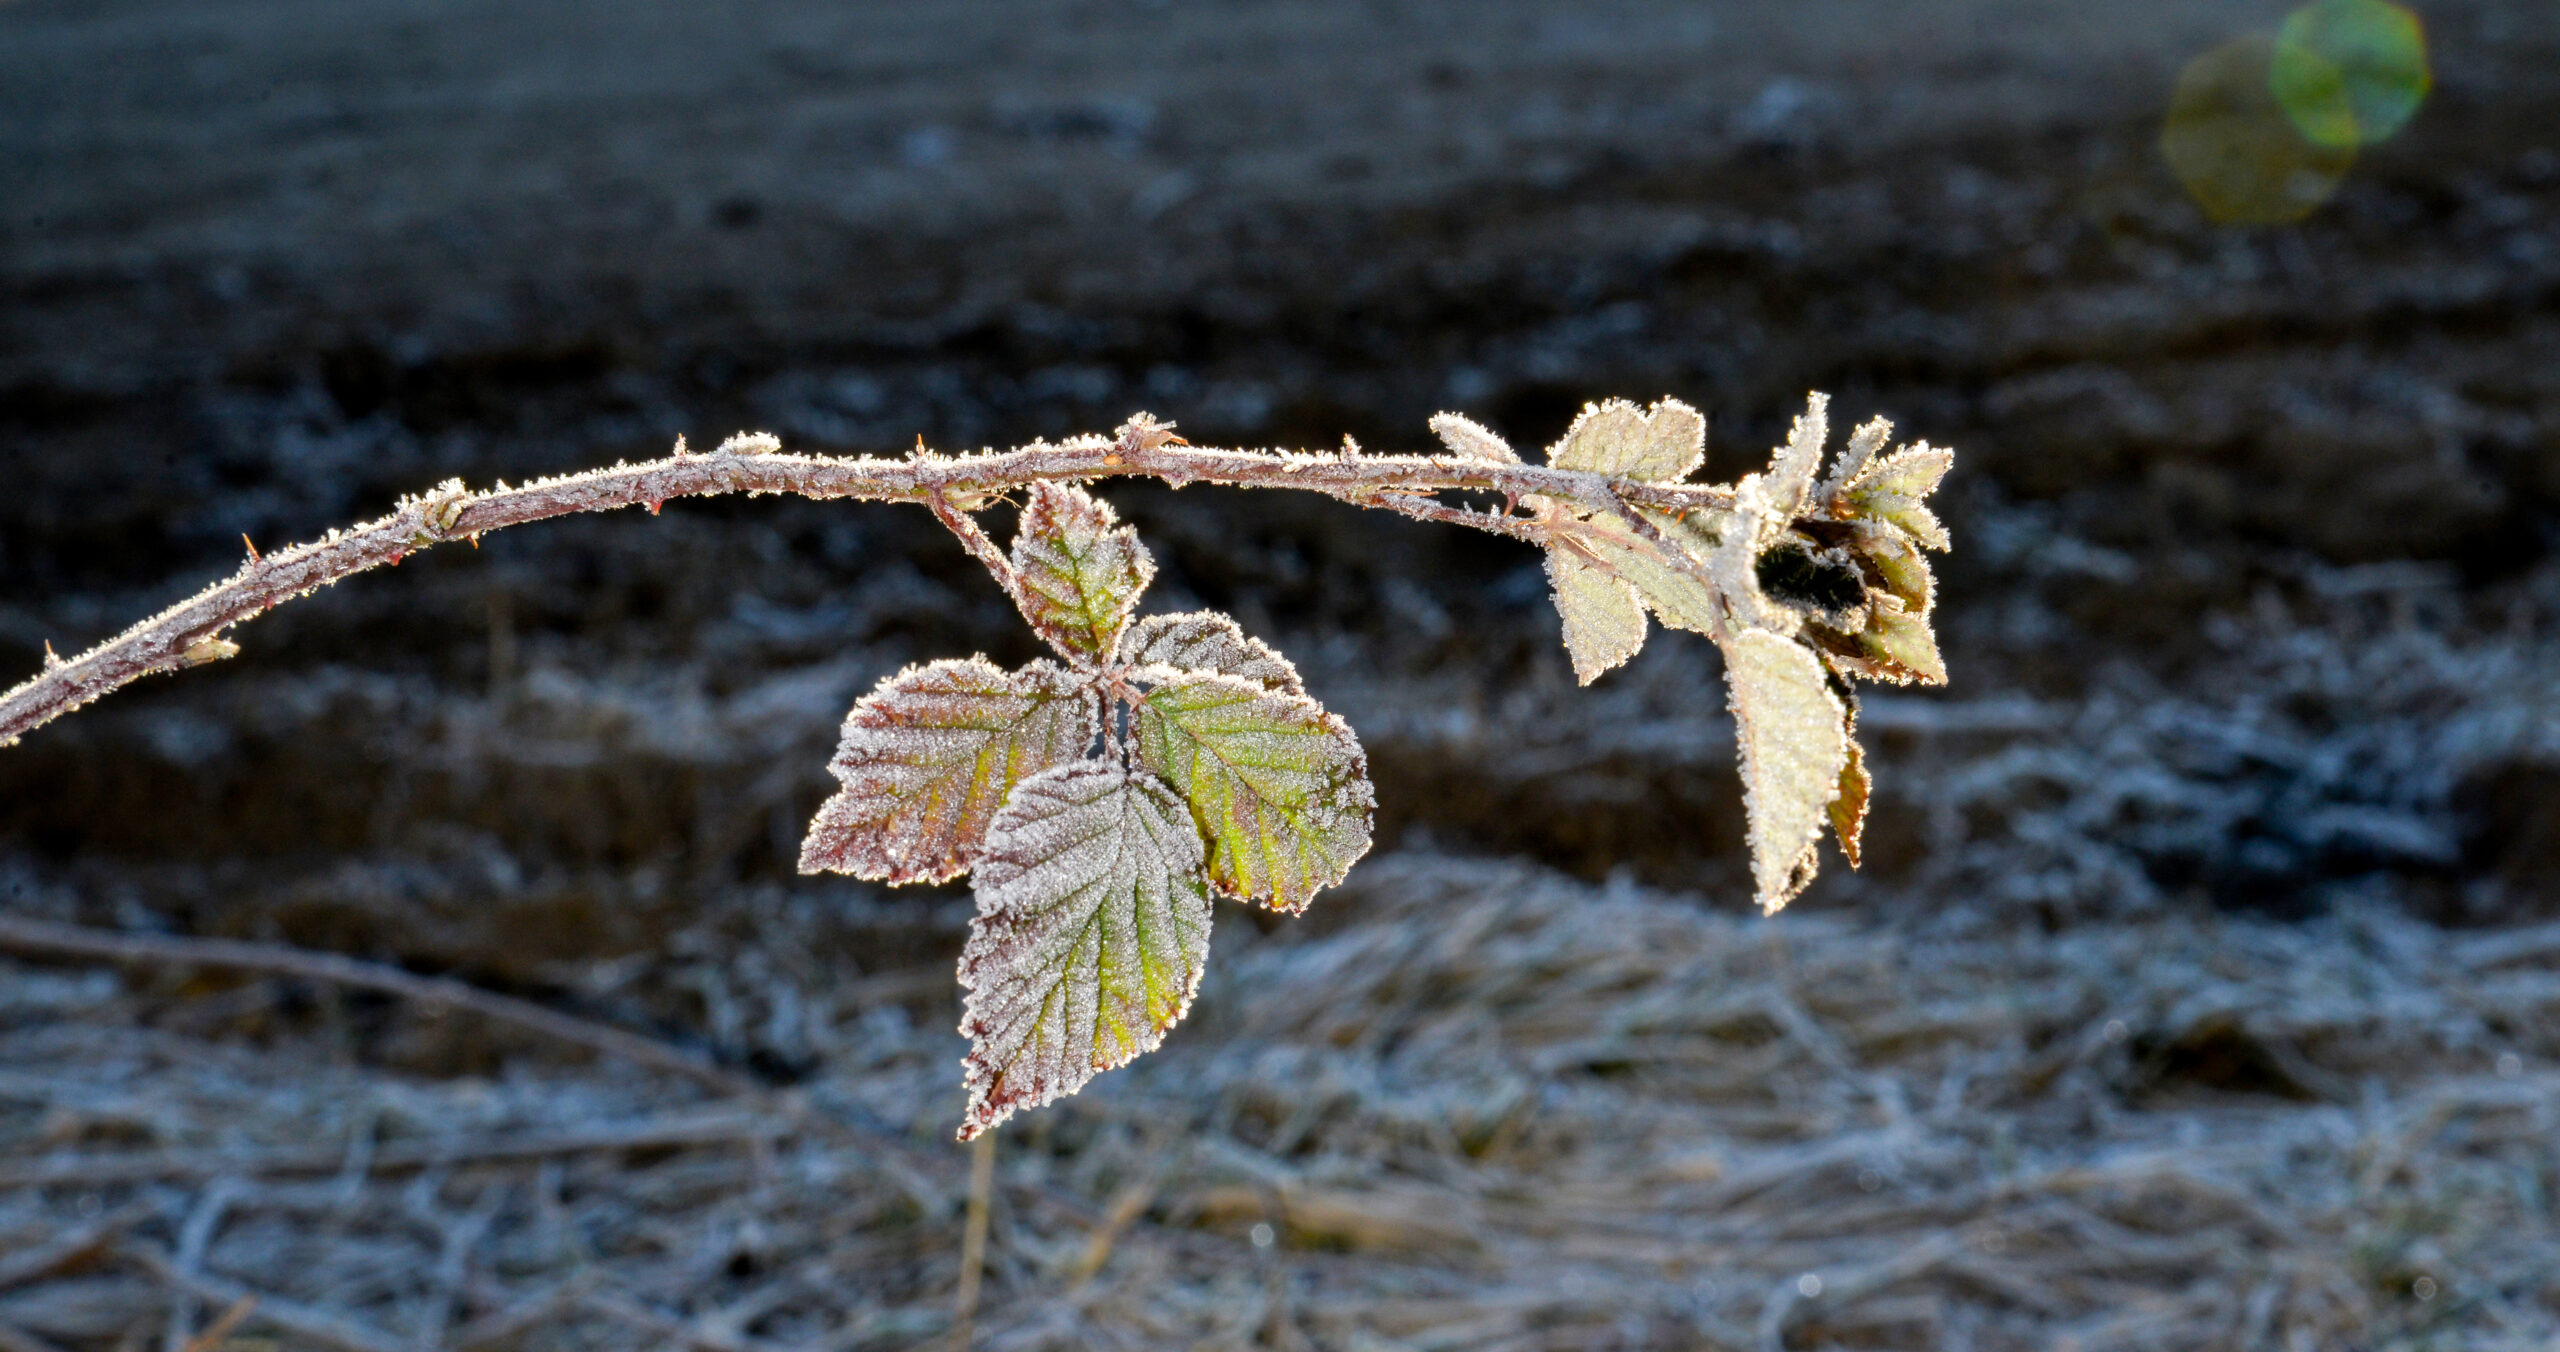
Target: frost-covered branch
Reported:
point(1101, 798)
point(190, 633)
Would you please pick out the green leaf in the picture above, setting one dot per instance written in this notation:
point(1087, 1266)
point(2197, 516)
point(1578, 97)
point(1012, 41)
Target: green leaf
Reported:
point(1603, 620)
point(1091, 934)
point(1204, 640)
point(1900, 565)
point(1081, 571)
point(1278, 786)
point(1895, 646)
point(1794, 741)
point(928, 756)
point(1614, 437)
point(1892, 489)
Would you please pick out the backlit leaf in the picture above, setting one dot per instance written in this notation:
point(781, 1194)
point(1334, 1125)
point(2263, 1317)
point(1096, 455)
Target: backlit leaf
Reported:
point(928, 756)
point(1864, 446)
point(1668, 574)
point(1615, 437)
point(1204, 640)
point(1794, 742)
point(1604, 623)
point(1278, 786)
point(1895, 646)
point(1900, 565)
point(1849, 810)
point(1081, 570)
point(1892, 489)
point(1469, 440)
point(1091, 934)
point(1789, 480)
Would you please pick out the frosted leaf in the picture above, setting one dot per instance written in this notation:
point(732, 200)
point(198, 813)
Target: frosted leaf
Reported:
point(1666, 574)
point(1092, 930)
point(1614, 437)
point(1204, 640)
point(1849, 810)
point(1789, 481)
point(1895, 646)
point(1892, 489)
point(1864, 445)
point(1898, 563)
point(1603, 621)
point(1278, 786)
point(1081, 571)
point(1795, 743)
point(1735, 561)
point(1469, 440)
point(927, 758)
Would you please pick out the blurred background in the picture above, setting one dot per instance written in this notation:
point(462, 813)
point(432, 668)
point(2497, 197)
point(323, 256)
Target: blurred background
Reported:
point(2202, 984)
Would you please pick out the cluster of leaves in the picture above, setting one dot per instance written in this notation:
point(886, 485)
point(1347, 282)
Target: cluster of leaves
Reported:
point(1100, 803)
point(1810, 581)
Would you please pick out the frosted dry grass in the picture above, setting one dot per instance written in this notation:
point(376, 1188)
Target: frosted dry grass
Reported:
point(1475, 1105)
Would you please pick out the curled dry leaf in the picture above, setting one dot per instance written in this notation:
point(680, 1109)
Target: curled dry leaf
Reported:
point(1795, 744)
point(1091, 934)
point(1080, 571)
point(1279, 787)
point(1204, 640)
point(1849, 810)
point(927, 759)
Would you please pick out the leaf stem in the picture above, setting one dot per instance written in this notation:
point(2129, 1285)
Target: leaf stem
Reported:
point(176, 637)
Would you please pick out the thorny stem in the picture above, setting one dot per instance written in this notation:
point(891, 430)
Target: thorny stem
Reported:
point(984, 550)
point(189, 633)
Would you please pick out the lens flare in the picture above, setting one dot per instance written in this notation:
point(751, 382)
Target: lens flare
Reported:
point(2238, 152)
point(2350, 72)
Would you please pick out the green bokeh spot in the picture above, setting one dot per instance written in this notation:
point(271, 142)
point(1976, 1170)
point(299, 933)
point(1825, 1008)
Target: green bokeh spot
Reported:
point(2237, 150)
point(2350, 72)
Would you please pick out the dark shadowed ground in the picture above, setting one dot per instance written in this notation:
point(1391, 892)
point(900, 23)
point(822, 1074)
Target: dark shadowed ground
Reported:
point(2202, 988)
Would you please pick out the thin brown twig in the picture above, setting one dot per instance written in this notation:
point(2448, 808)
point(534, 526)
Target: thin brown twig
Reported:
point(222, 1325)
point(973, 1241)
point(21, 934)
point(188, 633)
point(65, 1250)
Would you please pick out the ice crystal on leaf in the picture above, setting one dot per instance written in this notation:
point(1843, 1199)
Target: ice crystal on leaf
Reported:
point(1091, 934)
point(1204, 640)
point(1615, 437)
point(1795, 745)
point(1604, 622)
point(1805, 580)
point(1278, 786)
point(929, 756)
point(1469, 440)
point(1081, 571)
